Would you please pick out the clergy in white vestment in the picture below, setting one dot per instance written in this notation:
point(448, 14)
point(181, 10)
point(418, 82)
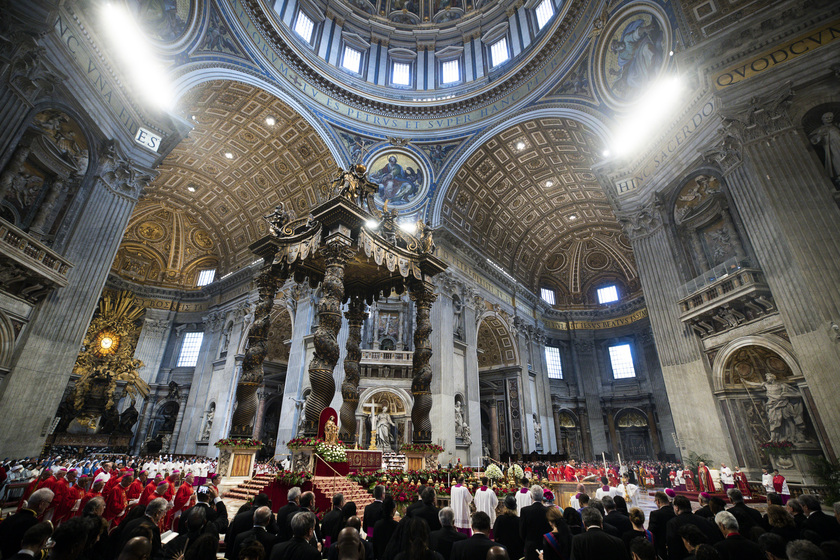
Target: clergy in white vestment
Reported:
point(605, 490)
point(460, 504)
point(574, 501)
point(523, 497)
point(486, 500)
point(767, 481)
point(630, 492)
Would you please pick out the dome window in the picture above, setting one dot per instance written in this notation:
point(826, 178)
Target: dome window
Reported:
point(499, 52)
point(206, 277)
point(304, 26)
point(545, 11)
point(352, 60)
point(451, 70)
point(607, 294)
point(401, 74)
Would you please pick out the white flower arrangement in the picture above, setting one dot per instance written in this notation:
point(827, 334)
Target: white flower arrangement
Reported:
point(493, 472)
point(331, 453)
point(515, 472)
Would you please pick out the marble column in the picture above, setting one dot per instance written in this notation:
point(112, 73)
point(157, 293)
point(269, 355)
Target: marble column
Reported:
point(683, 365)
point(654, 433)
point(589, 383)
point(614, 444)
point(350, 386)
point(557, 433)
point(494, 430)
point(39, 226)
point(423, 296)
point(786, 203)
point(150, 348)
point(444, 387)
point(258, 423)
point(336, 253)
point(176, 432)
point(50, 345)
point(244, 415)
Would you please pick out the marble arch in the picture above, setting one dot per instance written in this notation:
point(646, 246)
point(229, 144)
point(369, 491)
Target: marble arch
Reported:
point(7, 341)
point(770, 341)
point(367, 394)
point(497, 333)
point(191, 79)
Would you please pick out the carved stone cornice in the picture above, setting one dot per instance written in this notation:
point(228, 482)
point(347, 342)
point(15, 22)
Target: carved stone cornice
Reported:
point(725, 153)
point(122, 175)
point(213, 320)
point(155, 327)
point(642, 222)
point(761, 116)
point(29, 73)
point(584, 346)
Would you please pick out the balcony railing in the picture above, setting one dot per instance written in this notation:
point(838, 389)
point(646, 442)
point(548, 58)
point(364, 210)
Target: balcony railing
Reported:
point(393, 357)
point(34, 268)
point(711, 276)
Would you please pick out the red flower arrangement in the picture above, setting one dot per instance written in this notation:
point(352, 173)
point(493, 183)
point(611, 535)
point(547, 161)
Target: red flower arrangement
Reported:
point(293, 478)
point(299, 442)
point(238, 442)
point(421, 448)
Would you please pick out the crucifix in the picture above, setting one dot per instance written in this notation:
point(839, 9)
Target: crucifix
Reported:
point(372, 406)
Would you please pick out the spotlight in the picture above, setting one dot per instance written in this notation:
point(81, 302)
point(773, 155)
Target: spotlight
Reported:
point(520, 145)
point(549, 183)
point(408, 227)
point(651, 113)
point(671, 53)
point(606, 153)
point(371, 224)
point(229, 155)
point(191, 188)
point(270, 121)
point(573, 216)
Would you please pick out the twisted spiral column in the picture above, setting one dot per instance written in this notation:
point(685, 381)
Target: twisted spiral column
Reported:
point(350, 386)
point(244, 416)
point(336, 253)
point(423, 297)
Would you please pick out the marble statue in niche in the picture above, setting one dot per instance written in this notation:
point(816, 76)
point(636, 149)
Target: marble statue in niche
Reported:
point(827, 137)
point(208, 423)
point(537, 430)
point(784, 409)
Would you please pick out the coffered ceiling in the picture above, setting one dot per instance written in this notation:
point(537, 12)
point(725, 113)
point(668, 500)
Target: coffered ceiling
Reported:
point(528, 199)
point(235, 167)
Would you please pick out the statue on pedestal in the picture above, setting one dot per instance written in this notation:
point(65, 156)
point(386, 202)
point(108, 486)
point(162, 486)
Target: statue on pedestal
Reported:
point(384, 425)
point(828, 136)
point(331, 432)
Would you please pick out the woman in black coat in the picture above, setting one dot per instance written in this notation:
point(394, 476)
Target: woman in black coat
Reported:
point(506, 529)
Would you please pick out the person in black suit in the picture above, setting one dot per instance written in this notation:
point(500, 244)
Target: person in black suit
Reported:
point(354, 524)
point(299, 547)
point(795, 509)
point(825, 526)
point(195, 523)
point(614, 518)
point(735, 546)
point(594, 543)
point(418, 501)
point(705, 510)
point(349, 544)
point(333, 522)
point(154, 514)
point(217, 514)
point(258, 533)
point(658, 523)
point(13, 528)
point(479, 543)
point(427, 511)
point(69, 539)
point(384, 528)
point(373, 512)
point(692, 537)
point(307, 503)
point(284, 516)
point(443, 539)
point(533, 523)
point(556, 545)
point(33, 543)
point(642, 549)
point(747, 517)
point(245, 521)
point(506, 529)
point(676, 547)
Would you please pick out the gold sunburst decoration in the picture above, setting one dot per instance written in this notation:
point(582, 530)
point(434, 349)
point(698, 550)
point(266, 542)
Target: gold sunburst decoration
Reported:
point(108, 350)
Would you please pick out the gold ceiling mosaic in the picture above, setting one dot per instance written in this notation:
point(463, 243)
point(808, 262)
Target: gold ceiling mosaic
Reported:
point(528, 199)
point(234, 165)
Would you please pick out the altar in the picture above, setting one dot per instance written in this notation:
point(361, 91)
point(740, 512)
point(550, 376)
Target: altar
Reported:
point(364, 460)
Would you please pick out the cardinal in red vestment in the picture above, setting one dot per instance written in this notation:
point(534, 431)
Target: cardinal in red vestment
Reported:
point(569, 475)
point(704, 478)
point(71, 493)
point(147, 495)
point(741, 482)
point(116, 502)
point(94, 492)
point(136, 488)
point(184, 498)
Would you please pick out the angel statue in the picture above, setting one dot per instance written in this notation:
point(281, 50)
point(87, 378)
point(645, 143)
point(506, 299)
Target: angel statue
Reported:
point(427, 244)
point(277, 219)
point(388, 223)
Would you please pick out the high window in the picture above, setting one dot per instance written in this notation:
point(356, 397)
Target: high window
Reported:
point(499, 52)
point(304, 26)
point(401, 74)
point(451, 71)
point(552, 361)
point(622, 362)
point(548, 295)
point(189, 349)
point(607, 294)
point(352, 59)
point(545, 10)
point(206, 276)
